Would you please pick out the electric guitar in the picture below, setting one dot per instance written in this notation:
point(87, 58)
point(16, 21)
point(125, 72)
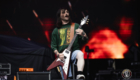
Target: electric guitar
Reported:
point(67, 54)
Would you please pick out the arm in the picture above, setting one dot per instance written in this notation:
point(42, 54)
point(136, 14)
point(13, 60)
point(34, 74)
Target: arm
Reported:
point(54, 44)
point(61, 56)
point(54, 41)
point(82, 33)
point(56, 52)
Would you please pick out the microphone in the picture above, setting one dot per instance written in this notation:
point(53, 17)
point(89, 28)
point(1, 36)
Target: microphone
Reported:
point(88, 50)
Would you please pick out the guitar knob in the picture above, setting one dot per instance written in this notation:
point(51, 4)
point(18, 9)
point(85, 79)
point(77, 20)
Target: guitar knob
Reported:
point(65, 57)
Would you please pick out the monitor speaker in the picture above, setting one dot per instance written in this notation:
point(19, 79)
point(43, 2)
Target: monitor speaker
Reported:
point(33, 75)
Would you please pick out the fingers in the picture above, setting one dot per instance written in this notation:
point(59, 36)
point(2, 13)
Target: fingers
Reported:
point(61, 56)
point(79, 31)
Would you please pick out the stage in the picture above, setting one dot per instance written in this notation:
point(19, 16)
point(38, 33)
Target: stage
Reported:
point(111, 51)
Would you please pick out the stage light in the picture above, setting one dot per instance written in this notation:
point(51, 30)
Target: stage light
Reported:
point(83, 13)
point(36, 15)
point(137, 44)
point(106, 44)
point(126, 25)
point(47, 36)
point(11, 26)
point(48, 27)
point(28, 38)
point(70, 5)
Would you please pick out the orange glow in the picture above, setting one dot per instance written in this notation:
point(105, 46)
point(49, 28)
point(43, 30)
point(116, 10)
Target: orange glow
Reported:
point(40, 22)
point(36, 15)
point(28, 38)
point(26, 69)
point(126, 27)
point(106, 44)
point(48, 25)
point(137, 44)
point(11, 26)
point(47, 36)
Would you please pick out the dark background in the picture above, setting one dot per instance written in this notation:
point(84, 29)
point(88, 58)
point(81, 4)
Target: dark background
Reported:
point(101, 12)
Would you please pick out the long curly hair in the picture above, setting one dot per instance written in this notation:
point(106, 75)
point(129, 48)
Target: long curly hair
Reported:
point(59, 22)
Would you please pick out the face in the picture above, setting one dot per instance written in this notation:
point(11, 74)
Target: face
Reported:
point(64, 15)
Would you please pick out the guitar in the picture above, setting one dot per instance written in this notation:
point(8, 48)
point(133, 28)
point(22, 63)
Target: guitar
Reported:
point(67, 53)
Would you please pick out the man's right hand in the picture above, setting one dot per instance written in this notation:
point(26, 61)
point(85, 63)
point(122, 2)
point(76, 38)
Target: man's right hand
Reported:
point(61, 56)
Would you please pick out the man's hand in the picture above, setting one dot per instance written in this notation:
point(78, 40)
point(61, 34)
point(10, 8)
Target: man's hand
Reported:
point(80, 32)
point(61, 56)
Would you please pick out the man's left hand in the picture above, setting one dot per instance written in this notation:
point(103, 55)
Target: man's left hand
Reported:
point(80, 32)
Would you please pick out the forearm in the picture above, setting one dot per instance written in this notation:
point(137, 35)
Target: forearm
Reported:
point(56, 52)
point(61, 56)
point(84, 35)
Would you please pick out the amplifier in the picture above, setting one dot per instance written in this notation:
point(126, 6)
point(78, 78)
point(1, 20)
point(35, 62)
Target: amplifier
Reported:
point(5, 68)
point(68, 79)
point(133, 79)
point(34, 75)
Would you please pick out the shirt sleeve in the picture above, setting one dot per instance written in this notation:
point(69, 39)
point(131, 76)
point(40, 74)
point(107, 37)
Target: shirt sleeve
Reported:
point(54, 39)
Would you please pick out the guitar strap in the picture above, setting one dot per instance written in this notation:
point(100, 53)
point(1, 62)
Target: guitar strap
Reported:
point(72, 31)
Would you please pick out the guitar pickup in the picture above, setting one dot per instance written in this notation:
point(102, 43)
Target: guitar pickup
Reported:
point(67, 51)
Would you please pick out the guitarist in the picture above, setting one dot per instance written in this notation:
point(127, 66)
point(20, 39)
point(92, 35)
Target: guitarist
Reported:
point(61, 39)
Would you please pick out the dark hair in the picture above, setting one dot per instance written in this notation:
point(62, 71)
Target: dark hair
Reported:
point(59, 22)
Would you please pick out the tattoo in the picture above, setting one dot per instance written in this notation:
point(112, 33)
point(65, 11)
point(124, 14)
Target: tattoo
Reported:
point(56, 52)
point(84, 38)
point(58, 56)
point(83, 33)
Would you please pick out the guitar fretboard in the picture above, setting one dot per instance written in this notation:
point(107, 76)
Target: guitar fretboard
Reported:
point(70, 45)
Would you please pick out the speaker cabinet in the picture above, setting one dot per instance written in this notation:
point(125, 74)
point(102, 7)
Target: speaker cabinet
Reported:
point(67, 79)
point(33, 75)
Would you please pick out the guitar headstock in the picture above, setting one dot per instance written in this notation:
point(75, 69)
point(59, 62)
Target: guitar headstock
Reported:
point(84, 21)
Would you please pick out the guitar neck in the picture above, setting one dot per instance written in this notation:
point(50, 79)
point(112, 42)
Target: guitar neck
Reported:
point(70, 45)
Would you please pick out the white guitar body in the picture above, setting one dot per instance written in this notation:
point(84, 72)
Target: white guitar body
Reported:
point(67, 54)
point(64, 63)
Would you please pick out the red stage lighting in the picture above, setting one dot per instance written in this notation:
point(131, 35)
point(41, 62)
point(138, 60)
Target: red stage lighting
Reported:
point(106, 44)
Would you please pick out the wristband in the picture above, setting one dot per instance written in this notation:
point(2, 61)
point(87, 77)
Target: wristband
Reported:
point(58, 55)
point(83, 33)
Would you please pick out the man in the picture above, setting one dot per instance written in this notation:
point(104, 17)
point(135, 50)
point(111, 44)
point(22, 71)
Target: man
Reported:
point(61, 40)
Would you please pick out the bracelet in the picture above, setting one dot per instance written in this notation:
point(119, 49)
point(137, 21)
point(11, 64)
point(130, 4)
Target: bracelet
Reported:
point(58, 55)
point(83, 33)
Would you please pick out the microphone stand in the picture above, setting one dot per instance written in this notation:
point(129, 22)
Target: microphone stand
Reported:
point(87, 65)
point(88, 50)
